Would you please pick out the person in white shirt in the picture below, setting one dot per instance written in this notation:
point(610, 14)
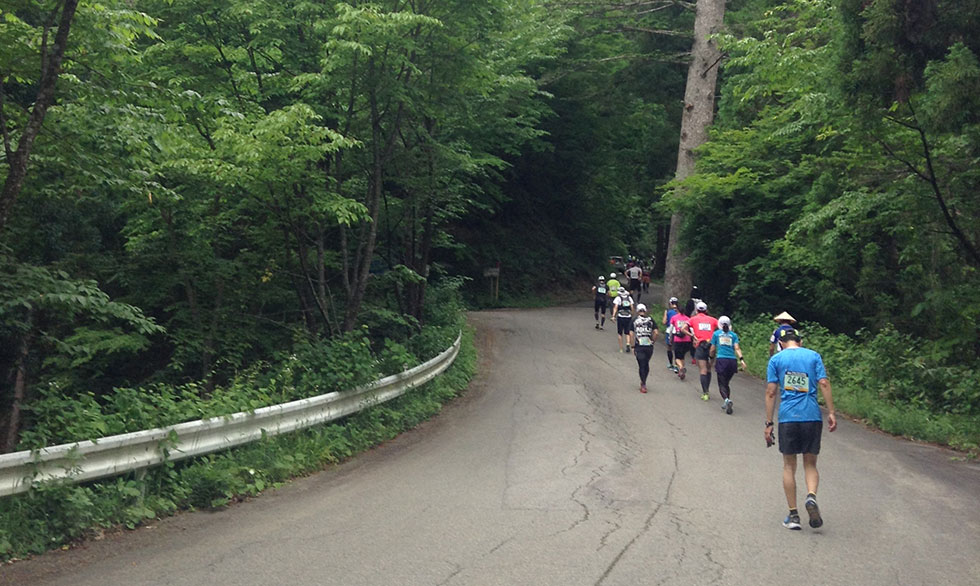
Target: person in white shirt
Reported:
point(623, 307)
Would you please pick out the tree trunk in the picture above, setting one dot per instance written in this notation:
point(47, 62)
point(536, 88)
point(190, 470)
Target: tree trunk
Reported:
point(699, 111)
point(20, 391)
point(50, 68)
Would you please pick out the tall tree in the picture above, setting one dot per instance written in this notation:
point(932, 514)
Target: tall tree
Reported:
point(699, 111)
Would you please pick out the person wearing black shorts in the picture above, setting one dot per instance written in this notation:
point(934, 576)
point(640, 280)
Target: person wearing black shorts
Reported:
point(635, 273)
point(681, 341)
point(623, 310)
point(600, 292)
point(795, 374)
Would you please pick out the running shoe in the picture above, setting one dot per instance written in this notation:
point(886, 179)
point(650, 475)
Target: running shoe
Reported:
point(792, 522)
point(682, 373)
point(601, 328)
point(597, 326)
point(627, 349)
point(728, 406)
point(675, 369)
point(643, 388)
point(814, 511)
point(704, 396)
point(724, 404)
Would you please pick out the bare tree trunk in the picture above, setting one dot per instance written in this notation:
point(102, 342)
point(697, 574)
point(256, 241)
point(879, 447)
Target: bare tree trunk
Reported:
point(50, 68)
point(699, 112)
point(20, 392)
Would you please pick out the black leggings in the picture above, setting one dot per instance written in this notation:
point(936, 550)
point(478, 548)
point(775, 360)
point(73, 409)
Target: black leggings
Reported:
point(726, 369)
point(643, 355)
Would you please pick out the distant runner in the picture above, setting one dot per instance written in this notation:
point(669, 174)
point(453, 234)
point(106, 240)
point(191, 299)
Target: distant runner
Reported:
point(728, 359)
point(681, 341)
point(635, 273)
point(613, 285)
point(623, 310)
point(670, 312)
point(599, 291)
point(704, 327)
point(645, 334)
point(786, 322)
point(794, 374)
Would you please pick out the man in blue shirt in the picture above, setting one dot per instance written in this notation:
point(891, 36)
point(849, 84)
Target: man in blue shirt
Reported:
point(795, 373)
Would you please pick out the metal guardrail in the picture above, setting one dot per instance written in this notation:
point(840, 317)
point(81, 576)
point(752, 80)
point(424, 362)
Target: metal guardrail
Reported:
point(109, 456)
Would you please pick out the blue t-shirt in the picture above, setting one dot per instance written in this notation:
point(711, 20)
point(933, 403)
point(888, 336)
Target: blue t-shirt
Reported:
point(796, 371)
point(670, 313)
point(724, 342)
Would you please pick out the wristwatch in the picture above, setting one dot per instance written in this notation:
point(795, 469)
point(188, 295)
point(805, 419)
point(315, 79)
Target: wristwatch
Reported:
point(769, 424)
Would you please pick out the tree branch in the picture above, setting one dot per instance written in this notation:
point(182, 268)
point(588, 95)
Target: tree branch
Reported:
point(45, 98)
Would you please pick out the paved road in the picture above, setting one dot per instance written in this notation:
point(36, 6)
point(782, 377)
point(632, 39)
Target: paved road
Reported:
point(554, 470)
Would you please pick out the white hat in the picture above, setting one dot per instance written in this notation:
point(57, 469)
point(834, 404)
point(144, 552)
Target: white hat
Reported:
point(641, 307)
point(673, 300)
point(601, 278)
point(701, 306)
point(723, 320)
point(612, 275)
point(623, 292)
point(784, 317)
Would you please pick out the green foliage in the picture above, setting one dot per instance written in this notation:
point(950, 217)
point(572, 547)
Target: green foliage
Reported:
point(54, 514)
point(897, 382)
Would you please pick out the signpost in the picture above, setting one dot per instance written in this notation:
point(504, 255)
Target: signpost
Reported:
point(493, 274)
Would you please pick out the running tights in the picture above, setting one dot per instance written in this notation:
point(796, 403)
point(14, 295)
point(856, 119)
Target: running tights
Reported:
point(643, 355)
point(726, 368)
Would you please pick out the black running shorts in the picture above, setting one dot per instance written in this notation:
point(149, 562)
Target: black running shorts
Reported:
point(703, 351)
point(800, 437)
point(623, 325)
point(681, 349)
point(600, 305)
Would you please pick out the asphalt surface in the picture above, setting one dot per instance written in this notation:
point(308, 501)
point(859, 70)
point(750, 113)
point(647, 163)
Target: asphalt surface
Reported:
point(554, 470)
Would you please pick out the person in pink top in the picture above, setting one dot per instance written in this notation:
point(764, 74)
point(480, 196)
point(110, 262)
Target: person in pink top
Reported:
point(681, 341)
point(704, 327)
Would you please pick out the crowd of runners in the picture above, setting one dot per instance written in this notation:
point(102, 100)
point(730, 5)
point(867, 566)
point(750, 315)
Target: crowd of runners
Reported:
point(794, 374)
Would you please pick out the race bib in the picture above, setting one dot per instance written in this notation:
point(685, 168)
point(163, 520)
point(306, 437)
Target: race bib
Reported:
point(704, 327)
point(724, 340)
point(797, 382)
point(645, 341)
point(602, 289)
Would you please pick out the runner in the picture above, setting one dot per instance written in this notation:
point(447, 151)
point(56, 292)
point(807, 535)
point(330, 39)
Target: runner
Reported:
point(645, 334)
point(704, 327)
point(725, 350)
point(613, 285)
point(599, 292)
point(692, 303)
point(646, 279)
point(623, 310)
point(681, 341)
point(635, 273)
point(670, 312)
point(785, 322)
point(795, 373)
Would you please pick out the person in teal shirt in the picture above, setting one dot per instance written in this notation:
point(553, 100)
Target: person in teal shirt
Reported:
point(728, 358)
point(794, 374)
